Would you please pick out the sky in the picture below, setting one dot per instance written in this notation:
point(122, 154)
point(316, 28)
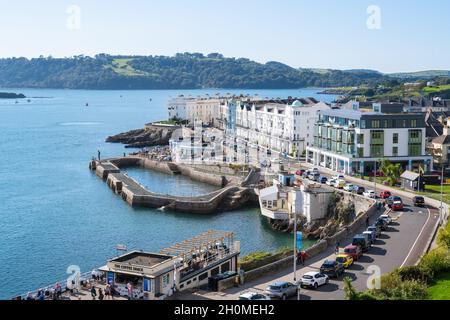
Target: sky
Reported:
point(384, 35)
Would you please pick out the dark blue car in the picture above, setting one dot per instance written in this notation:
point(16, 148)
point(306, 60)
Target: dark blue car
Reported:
point(323, 179)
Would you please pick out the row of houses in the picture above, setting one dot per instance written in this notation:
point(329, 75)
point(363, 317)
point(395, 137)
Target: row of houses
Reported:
point(349, 138)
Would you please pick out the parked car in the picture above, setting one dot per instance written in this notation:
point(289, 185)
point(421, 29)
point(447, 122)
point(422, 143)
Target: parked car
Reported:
point(323, 179)
point(332, 268)
point(376, 229)
point(385, 194)
point(316, 170)
point(349, 187)
point(300, 172)
point(314, 280)
point(361, 241)
point(370, 194)
point(339, 184)
point(339, 177)
point(331, 182)
point(253, 296)
point(397, 206)
point(382, 224)
point(387, 218)
point(391, 200)
point(354, 251)
point(371, 236)
point(419, 201)
point(281, 290)
point(314, 176)
point(306, 173)
point(359, 190)
point(345, 259)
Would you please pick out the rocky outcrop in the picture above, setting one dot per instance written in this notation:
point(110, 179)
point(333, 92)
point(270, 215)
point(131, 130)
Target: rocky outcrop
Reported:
point(8, 95)
point(150, 136)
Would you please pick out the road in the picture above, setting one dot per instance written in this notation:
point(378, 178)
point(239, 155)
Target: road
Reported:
point(401, 245)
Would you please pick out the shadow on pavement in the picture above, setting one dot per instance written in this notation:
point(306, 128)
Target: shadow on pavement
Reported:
point(356, 267)
point(366, 259)
point(377, 251)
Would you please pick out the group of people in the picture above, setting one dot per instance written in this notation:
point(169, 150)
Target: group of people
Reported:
point(46, 294)
point(107, 294)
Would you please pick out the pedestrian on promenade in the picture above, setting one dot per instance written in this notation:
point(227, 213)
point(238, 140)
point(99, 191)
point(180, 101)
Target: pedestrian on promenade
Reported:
point(93, 292)
point(337, 248)
point(100, 294)
point(58, 290)
point(107, 292)
point(99, 154)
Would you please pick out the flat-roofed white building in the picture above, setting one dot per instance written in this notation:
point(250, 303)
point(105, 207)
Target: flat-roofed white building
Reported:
point(285, 126)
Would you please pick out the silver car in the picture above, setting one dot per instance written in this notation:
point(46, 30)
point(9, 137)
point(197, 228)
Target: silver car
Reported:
point(281, 290)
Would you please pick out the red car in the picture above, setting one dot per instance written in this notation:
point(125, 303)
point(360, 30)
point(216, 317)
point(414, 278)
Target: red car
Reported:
point(397, 206)
point(300, 172)
point(385, 194)
point(353, 251)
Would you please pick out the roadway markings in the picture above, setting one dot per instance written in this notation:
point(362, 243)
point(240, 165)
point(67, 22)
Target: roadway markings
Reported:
point(420, 234)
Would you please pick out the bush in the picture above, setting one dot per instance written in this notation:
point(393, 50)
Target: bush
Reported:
point(437, 261)
point(394, 288)
point(418, 273)
point(444, 236)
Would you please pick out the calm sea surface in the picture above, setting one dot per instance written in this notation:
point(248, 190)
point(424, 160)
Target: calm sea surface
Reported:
point(55, 213)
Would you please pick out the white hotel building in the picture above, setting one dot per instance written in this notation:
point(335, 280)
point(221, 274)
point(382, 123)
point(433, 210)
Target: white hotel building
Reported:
point(282, 126)
point(285, 126)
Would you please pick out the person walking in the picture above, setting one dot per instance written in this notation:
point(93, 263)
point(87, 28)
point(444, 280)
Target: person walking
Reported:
point(100, 294)
point(107, 292)
point(93, 293)
point(336, 251)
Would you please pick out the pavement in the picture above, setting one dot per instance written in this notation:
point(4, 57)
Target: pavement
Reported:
point(406, 240)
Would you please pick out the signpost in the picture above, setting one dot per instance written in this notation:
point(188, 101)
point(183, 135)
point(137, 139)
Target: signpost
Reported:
point(297, 248)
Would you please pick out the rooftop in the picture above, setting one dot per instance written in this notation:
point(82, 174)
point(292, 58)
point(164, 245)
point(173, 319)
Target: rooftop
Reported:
point(143, 259)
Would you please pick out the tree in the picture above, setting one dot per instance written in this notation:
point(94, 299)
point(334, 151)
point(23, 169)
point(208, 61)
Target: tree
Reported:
point(349, 289)
point(392, 172)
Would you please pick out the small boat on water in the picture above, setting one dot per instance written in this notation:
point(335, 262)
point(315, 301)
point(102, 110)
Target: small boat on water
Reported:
point(87, 104)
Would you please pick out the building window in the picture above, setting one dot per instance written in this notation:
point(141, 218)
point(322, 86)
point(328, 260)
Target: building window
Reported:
point(360, 152)
point(415, 150)
point(361, 138)
point(413, 123)
point(375, 123)
point(395, 138)
point(166, 280)
point(395, 151)
point(203, 276)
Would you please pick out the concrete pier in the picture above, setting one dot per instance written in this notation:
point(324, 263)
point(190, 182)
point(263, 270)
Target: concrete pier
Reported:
point(233, 195)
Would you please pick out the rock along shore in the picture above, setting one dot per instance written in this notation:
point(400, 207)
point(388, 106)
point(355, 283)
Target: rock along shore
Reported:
point(150, 136)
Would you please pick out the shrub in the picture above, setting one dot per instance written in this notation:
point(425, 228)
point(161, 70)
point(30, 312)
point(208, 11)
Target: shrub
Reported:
point(437, 261)
point(444, 236)
point(422, 274)
point(394, 288)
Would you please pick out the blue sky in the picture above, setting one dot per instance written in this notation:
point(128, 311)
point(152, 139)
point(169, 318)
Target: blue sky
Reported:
point(414, 35)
